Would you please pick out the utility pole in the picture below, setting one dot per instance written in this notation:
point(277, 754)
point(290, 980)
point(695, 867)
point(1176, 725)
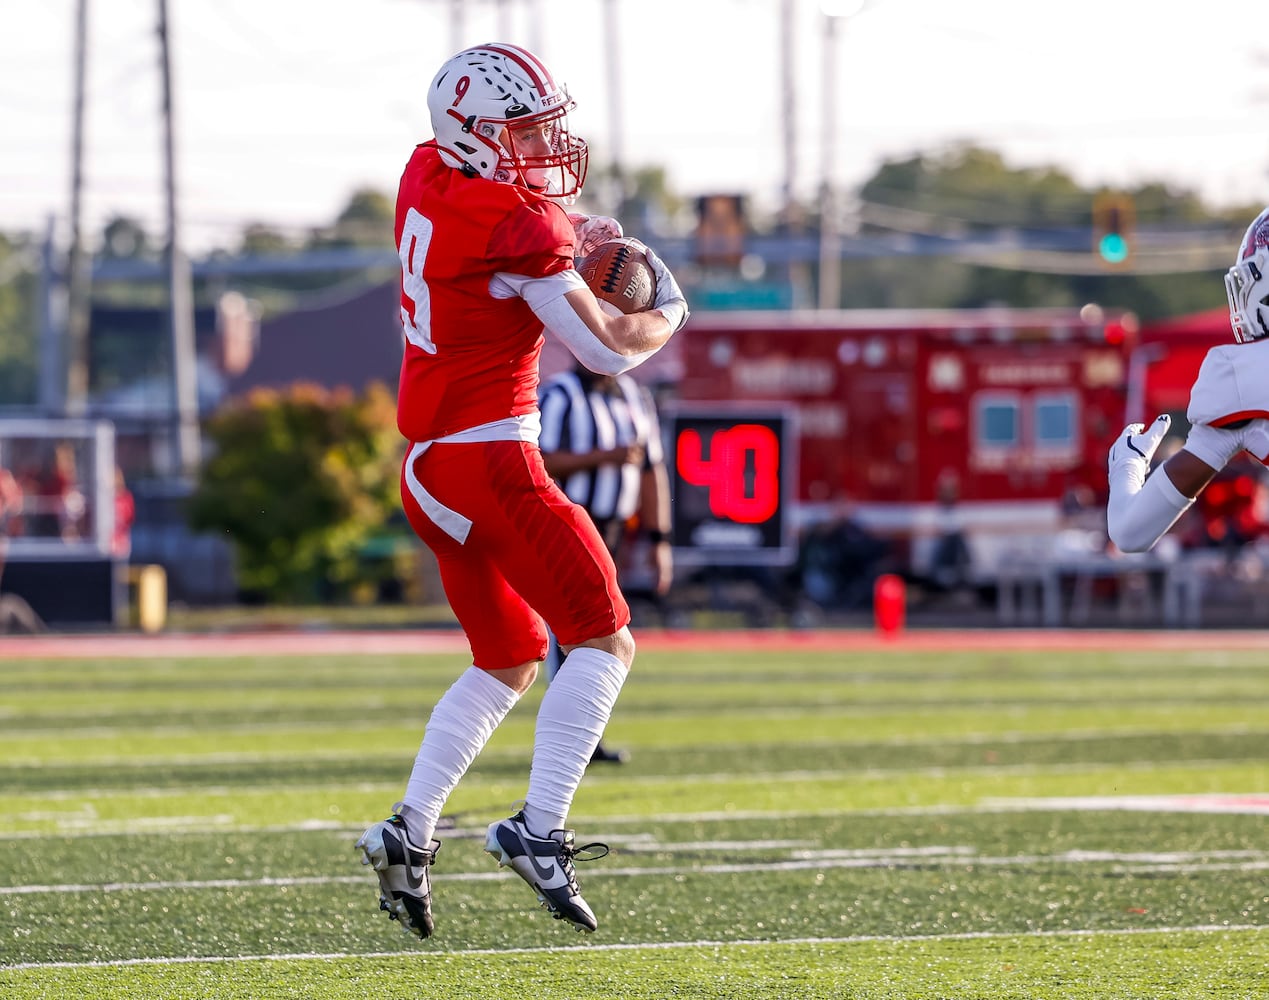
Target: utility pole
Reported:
point(457, 25)
point(52, 321)
point(830, 227)
point(798, 270)
point(503, 8)
point(616, 125)
point(832, 11)
point(537, 39)
point(186, 444)
point(78, 274)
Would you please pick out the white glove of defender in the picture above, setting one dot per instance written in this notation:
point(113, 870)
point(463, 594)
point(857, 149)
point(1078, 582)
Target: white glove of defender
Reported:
point(669, 297)
point(590, 231)
point(1136, 445)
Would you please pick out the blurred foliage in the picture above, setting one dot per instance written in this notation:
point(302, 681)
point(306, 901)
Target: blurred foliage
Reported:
point(640, 197)
point(300, 480)
point(261, 240)
point(969, 189)
point(366, 221)
point(19, 326)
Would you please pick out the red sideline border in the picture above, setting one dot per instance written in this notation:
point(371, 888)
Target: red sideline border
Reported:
point(316, 642)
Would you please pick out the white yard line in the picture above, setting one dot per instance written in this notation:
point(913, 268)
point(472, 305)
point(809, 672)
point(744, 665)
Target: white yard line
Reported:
point(652, 780)
point(961, 857)
point(335, 956)
point(84, 822)
point(1004, 738)
point(1253, 802)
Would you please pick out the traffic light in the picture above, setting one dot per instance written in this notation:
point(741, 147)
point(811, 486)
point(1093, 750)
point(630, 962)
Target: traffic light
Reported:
point(1114, 220)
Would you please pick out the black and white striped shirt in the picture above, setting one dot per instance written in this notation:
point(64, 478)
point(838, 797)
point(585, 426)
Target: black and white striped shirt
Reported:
point(583, 413)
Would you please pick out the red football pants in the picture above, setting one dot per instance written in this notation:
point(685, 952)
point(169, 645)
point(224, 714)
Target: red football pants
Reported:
point(531, 554)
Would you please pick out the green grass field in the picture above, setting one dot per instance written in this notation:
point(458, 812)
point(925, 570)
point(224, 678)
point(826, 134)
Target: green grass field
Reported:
point(898, 823)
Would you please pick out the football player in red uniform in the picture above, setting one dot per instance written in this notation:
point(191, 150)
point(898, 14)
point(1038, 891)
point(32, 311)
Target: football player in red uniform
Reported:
point(1228, 413)
point(487, 251)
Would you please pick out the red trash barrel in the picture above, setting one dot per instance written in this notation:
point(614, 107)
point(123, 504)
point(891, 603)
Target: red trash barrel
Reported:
point(889, 599)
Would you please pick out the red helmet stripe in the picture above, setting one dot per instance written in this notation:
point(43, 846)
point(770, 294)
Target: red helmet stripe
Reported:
point(530, 63)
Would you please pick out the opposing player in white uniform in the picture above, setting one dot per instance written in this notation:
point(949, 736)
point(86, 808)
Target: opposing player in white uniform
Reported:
point(1228, 413)
point(487, 253)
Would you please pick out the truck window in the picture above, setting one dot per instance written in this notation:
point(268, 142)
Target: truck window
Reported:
point(996, 421)
point(1055, 420)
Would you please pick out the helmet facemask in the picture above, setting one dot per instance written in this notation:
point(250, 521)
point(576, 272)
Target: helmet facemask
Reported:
point(1247, 284)
point(1248, 294)
point(542, 155)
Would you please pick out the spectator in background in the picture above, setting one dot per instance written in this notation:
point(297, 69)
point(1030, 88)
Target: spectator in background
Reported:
point(1080, 509)
point(16, 615)
point(1082, 525)
point(12, 500)
point(839, 562)
point(601, 441)
point(951, 562)
point(125, 515)
point(61, 503)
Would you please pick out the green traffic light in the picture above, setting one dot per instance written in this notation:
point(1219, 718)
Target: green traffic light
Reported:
point(1113, 248)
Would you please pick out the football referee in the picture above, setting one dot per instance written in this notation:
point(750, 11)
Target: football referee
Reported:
point(601, 441)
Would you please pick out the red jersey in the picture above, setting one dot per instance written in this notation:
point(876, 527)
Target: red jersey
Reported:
point(470, 358)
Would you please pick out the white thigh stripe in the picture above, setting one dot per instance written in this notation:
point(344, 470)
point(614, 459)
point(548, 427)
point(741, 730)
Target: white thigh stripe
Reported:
point(522, 428)
point(449, 521)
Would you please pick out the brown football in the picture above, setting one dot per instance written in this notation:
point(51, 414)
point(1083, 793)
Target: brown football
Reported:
point(619, 274)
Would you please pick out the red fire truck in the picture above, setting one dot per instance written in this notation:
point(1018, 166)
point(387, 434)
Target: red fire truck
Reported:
point(903, 421)
point(1166, 361)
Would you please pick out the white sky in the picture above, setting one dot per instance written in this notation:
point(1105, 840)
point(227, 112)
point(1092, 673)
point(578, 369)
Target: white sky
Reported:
point(284, 107)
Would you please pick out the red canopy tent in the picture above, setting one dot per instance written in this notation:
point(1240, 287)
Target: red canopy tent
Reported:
point(1170, 351)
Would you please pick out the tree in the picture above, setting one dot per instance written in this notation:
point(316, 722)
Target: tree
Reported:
point(366, 221)
point(19, 336)
point(260, 240)
point(969, 190)
point(299, 480)
point(974, 188)
point(640, 196)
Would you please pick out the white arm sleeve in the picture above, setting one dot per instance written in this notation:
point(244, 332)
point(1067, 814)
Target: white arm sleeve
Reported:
point(545, 297)
point(1138, 514)
point(1214, 446)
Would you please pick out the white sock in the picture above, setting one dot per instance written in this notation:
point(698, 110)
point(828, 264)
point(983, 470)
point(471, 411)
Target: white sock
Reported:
point(460, 726)
point(574, 712)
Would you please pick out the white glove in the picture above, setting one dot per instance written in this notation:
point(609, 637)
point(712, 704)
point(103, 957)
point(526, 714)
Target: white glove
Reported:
point(590, 231)
point(669, 297)
point(1136, 445)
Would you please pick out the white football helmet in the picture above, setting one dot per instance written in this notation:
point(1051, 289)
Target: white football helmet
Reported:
point(497, 113)
point(1247, 283)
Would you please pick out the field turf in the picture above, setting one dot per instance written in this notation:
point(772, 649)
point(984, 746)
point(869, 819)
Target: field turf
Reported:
point(928, 819)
